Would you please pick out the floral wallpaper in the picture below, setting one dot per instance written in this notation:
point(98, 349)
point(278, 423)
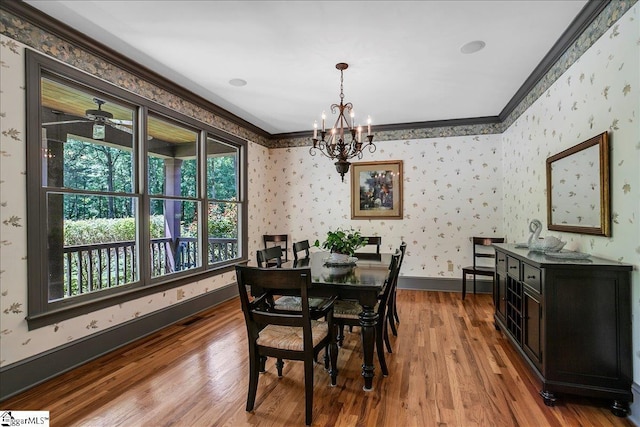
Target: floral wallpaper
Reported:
point(13, 212)
point(599, 92)
point(479, 180)
point(452, 190)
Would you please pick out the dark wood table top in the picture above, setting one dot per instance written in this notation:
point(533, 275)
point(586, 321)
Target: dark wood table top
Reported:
point(368, 273)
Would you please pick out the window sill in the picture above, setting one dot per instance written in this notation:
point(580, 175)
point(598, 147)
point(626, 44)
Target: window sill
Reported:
point(72, 310)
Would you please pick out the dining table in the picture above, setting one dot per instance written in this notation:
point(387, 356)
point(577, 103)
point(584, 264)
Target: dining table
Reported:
point(361, 280)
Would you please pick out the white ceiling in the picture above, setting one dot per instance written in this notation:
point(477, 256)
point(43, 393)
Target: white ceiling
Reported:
point(404, 57)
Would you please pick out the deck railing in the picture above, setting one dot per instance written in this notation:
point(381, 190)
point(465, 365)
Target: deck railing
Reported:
point(89, 268)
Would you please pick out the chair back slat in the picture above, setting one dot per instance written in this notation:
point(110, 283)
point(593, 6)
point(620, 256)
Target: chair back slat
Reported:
point(403, 250)
point(299, 247)
point(481, 261)
point(479, 243)
point(269, 257)
point(281, 240)
point(274, 281)
point(373, 241)
point(268, 318)
point(392, 279)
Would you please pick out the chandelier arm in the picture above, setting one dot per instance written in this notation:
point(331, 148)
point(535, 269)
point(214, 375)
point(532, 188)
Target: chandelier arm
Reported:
point(314, 150)
point(340, 108)
point(335, 146)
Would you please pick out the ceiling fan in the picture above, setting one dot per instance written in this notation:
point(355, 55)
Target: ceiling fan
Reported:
point(98, 117)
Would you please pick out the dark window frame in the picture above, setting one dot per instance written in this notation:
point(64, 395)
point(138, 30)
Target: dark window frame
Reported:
point(41, 312)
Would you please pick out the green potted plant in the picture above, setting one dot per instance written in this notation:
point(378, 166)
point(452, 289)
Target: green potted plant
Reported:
point(342, 243)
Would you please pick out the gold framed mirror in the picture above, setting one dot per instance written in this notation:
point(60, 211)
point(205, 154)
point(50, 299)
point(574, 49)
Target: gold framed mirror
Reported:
point(578, 188)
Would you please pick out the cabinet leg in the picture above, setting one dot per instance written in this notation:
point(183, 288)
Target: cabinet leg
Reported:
point(548, 397)
point(495, 324)
point(620, 409)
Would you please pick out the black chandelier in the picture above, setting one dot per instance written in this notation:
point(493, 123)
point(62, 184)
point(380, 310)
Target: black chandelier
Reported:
point(337, 147)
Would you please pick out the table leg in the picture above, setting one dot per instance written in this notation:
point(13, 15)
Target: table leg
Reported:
point(368, 320)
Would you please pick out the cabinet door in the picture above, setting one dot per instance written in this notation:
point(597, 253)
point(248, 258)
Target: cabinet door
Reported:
point(532, 327)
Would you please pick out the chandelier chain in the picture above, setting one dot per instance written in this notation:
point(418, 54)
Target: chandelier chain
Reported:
point(341, 86)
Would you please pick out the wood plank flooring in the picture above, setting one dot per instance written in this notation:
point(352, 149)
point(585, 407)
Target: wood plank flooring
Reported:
point(449, 367)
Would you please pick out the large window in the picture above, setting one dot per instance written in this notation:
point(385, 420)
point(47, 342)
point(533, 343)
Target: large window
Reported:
point(125, 197)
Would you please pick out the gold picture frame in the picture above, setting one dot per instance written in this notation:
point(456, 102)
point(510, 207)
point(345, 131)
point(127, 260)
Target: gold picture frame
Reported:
point(578, 199)
point(376, 190)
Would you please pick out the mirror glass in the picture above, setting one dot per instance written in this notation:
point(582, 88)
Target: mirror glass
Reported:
point(578, 188)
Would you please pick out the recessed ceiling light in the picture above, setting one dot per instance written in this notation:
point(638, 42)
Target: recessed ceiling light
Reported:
point(473, 47)
point(237, 82)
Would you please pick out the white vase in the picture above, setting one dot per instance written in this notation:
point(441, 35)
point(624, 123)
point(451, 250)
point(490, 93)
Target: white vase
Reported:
point(336, 258)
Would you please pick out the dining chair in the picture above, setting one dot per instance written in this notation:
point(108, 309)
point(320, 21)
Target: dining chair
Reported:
point(284, 335)
point(480, 250)
point(392, 311)
point(272, 257)
point(348, 313)
point(301, 246)
point(269, 257)
point(373, 241)
point(281, 240)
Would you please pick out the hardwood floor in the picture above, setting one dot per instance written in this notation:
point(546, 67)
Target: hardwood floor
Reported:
point(449, 367)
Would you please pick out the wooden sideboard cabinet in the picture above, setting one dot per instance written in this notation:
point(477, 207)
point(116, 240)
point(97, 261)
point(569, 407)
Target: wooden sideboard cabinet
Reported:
point(570, 320)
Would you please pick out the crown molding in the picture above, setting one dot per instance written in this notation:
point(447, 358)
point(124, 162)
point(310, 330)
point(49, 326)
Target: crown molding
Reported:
point(580, 23)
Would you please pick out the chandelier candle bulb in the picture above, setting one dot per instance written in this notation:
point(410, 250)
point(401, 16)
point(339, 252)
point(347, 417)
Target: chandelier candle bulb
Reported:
point(315, 130)
point(324, 116)
point(368, 125)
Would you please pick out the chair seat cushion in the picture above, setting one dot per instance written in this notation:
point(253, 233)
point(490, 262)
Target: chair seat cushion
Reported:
point(289, 303)
point(348, 309)
point(290, 337)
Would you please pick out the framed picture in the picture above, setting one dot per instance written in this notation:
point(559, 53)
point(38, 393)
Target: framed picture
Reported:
point(376, 190)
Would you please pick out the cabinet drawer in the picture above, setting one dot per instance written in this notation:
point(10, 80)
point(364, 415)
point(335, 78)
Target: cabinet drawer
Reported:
point(501, 262)
point(513, 267)
point(531, 276)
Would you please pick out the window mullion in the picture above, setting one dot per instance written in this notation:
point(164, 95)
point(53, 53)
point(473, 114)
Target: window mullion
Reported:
point(142, 183)
point(202, 197)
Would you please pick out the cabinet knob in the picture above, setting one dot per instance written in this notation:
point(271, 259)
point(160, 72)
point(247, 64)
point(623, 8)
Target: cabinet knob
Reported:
point(531, 277)
point(513, 267)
